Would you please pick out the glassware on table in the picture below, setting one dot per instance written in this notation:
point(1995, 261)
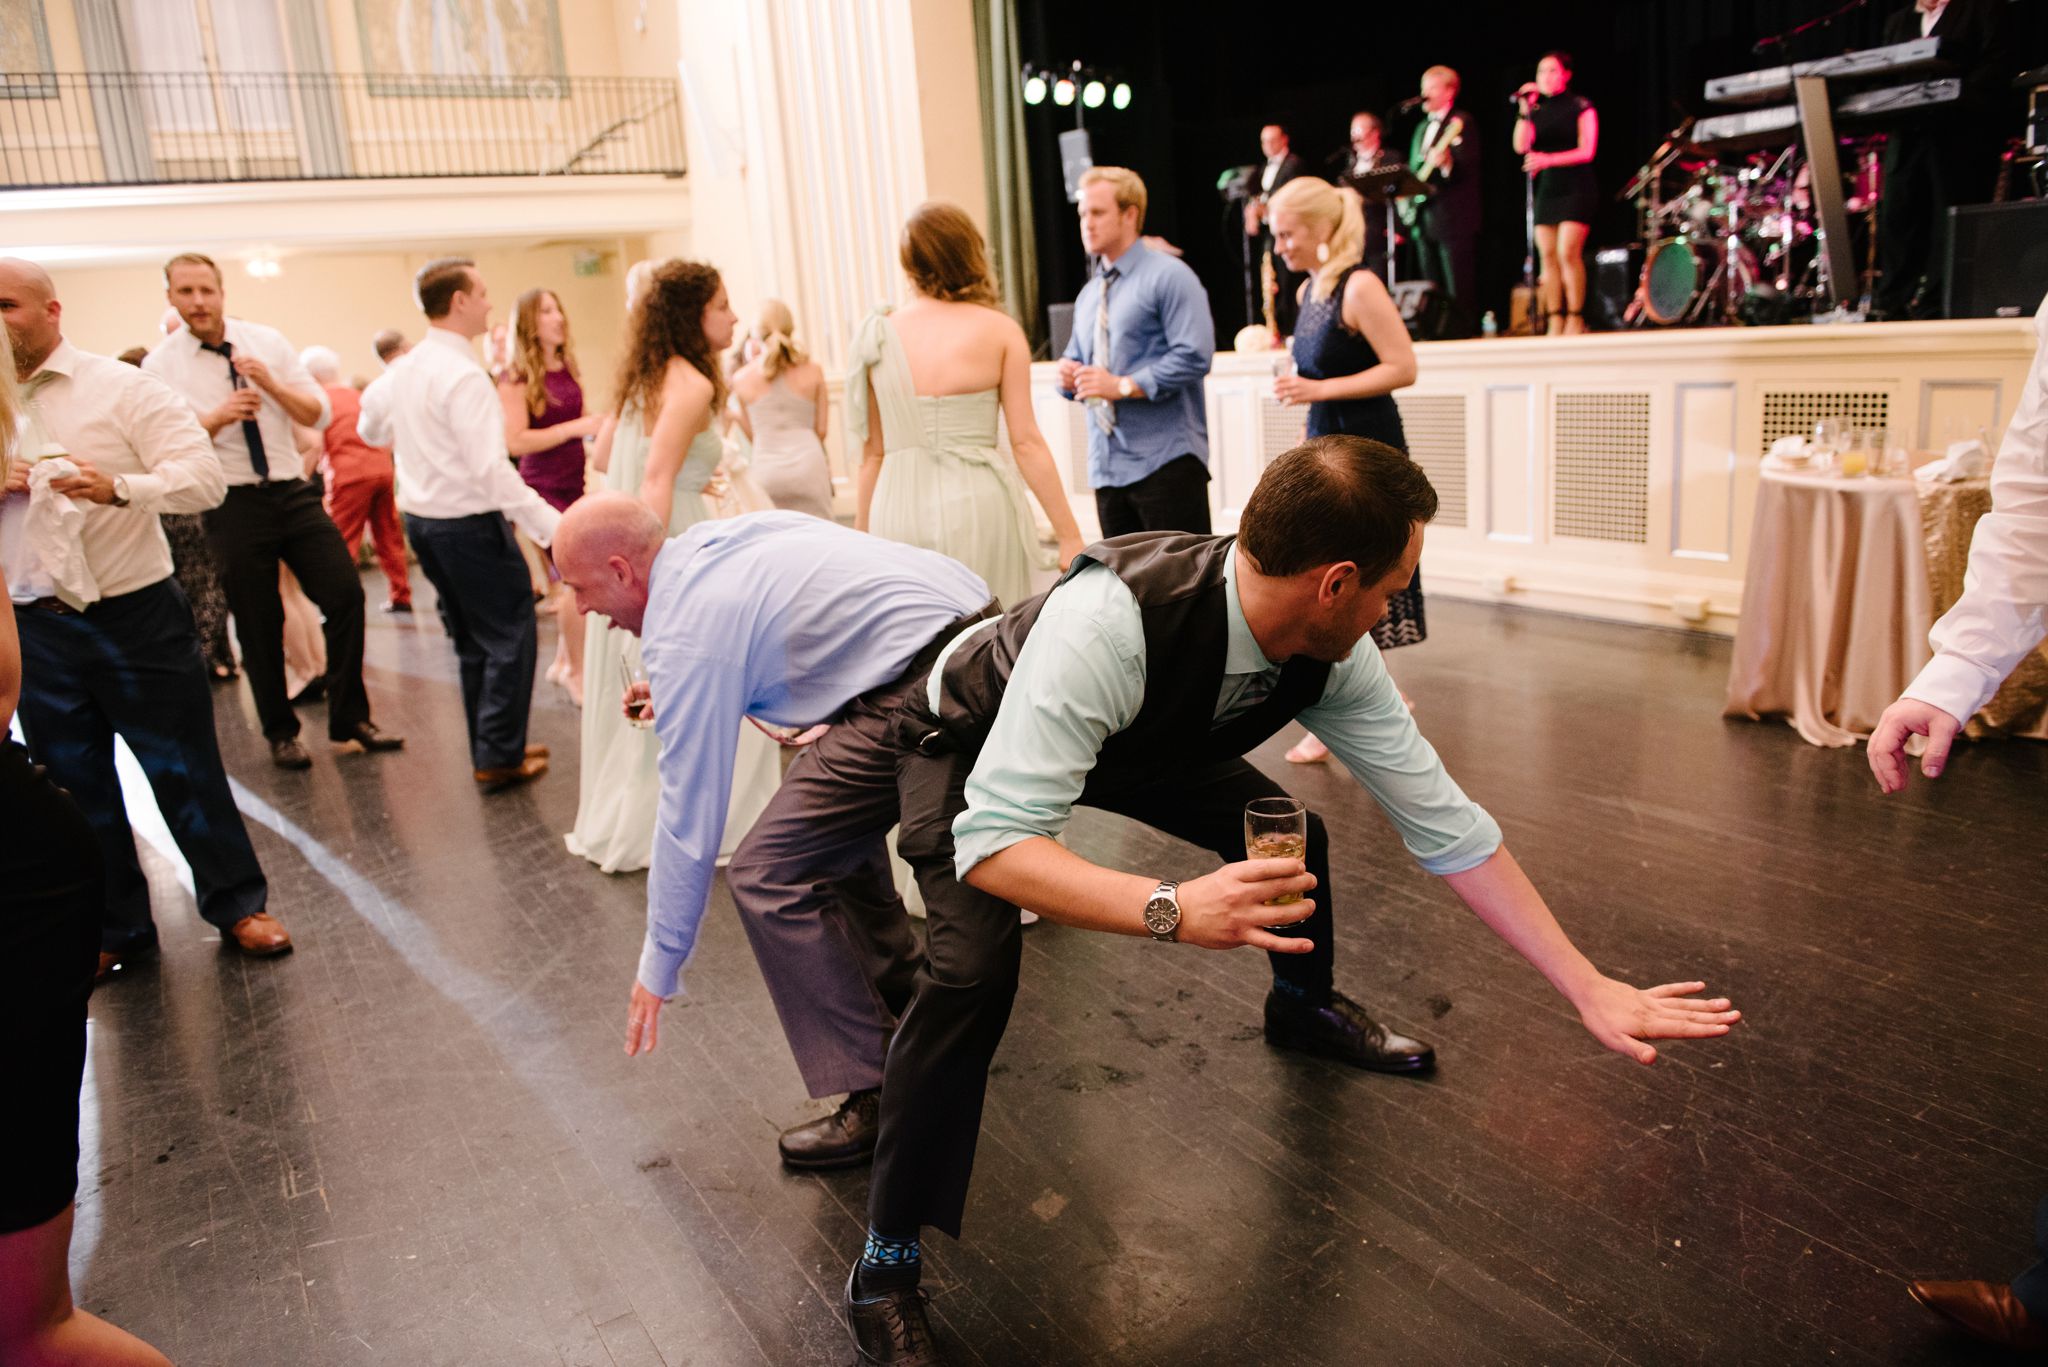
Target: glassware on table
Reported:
point(1276, 828)
point(1862, 453)
point(1830, 435)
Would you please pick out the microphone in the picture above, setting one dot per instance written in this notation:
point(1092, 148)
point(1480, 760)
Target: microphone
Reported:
point(1411, 102)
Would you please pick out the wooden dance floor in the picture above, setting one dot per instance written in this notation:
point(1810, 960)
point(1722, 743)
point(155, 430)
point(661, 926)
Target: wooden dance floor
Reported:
point(417, 1140)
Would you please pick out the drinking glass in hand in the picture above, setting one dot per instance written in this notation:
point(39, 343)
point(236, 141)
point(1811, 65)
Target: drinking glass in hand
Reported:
point(642, 715)
point(1276, 828)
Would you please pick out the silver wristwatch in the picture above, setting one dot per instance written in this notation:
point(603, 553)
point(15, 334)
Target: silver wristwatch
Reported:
point(1162, 912)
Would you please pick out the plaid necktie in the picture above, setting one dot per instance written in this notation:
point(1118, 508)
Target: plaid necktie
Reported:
point(1102, 410)
point(251, 433)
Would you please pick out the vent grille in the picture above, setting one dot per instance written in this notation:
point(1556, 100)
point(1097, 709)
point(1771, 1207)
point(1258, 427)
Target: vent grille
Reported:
point(1793, 412)
point(1602, 449)
point(1435, 426)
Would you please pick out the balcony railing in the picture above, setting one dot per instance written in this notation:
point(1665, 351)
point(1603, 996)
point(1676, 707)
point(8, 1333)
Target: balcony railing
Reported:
point(185, 128)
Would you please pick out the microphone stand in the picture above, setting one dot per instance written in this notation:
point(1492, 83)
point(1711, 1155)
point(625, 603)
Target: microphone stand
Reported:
point(1780, 40)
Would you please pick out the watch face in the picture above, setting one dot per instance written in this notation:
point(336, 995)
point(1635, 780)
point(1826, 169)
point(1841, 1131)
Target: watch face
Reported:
point(1161, 915)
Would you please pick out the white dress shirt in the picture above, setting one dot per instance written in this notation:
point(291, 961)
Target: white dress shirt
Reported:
point(128, 424)
point(439, 412)
point(2003, 613)
point(781, 616)
point(206, 379)
point(1272, 169)
point(1930, 15)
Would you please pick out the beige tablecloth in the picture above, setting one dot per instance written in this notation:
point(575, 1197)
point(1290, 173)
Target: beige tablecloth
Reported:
point(1845, 577)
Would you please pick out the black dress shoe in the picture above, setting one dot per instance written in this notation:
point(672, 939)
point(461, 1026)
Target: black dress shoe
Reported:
point(314, 691)
point(1344, 1032)
point(892, 1328)
point(368, 738)
point(289, 754)
point(398, 607)
point(843, 1139)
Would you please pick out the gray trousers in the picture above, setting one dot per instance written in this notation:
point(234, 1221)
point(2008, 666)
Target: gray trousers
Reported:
point(812, 883)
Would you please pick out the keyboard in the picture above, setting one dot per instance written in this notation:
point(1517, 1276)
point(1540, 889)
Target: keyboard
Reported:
point(1921, 56)
point(1780, 123)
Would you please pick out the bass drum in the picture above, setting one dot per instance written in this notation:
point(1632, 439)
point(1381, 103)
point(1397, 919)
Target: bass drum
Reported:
point(1677, 270)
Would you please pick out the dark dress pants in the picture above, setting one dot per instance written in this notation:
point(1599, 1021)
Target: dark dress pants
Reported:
point(1449, 256)
point(2031, 1286)
point(256, 527)
point(130, 666)
point(51, 896)
point(1173, 498)
point(487, 602)
point(937, 1073)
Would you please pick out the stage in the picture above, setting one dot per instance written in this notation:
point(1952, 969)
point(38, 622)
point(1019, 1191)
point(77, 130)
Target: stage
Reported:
point(1613, 474)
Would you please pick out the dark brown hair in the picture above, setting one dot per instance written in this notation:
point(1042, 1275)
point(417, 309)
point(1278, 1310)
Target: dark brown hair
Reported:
point(192, 259)
point(944, 256)
point(439, 281)
point(1564, 59)
point(1332, 499)
point(667, 322)
point(529, 360)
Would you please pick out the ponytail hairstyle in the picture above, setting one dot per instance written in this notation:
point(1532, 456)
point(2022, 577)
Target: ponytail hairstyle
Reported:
point(1338, 213)
point(776, 328)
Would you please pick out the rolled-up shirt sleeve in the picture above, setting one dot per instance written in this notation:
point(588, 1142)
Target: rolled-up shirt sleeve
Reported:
point(698, 702)
point(2003, 613)
point(1366, 725)
point(182, 473)
point(1190, 334)
point(293, 373)
point(1079, 679)
point(480, 419)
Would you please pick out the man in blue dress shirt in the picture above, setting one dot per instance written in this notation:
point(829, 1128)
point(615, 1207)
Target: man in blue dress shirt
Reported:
point(1138, 365)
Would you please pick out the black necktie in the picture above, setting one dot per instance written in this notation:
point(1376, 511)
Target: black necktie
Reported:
point(251, 433)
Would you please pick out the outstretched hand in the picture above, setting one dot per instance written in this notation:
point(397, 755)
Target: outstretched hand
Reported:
point(643, 1021)
point(1622, 1017)
point(1236, 906)
point(1887, 750)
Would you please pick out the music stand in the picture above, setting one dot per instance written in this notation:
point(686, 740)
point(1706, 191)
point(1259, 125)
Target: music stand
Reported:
point(1396, 182)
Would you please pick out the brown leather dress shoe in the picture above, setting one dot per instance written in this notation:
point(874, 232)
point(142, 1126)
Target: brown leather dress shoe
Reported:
point(505, 776)
point(260, 935)
point(1987, 1310)
point(108, 963)
point(536, 752)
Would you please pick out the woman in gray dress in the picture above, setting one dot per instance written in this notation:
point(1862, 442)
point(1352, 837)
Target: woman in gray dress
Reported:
point(779, 399)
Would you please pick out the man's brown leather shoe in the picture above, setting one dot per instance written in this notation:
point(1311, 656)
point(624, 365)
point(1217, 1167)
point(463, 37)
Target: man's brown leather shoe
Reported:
point(536, 752)
point(260, 935)
point(528, 769)
point(1988, 1310)
point(108, 963)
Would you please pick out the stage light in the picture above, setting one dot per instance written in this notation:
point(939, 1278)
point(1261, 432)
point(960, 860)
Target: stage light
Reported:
point(1121, 96)
point(1063, 91)
point(1034, 87)
point(1094, 93)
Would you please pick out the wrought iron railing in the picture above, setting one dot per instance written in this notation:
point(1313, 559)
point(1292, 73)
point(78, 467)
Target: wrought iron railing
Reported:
point(178, 128)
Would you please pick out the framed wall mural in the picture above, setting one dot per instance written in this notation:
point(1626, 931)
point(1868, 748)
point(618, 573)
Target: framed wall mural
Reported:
point(481, 47)
point(26, 71)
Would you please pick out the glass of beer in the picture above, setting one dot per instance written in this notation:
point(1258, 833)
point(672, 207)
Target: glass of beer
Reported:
point(642, 716)
point(1276, 828)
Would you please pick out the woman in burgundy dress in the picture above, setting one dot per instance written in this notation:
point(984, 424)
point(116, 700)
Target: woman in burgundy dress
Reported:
point(544, 430)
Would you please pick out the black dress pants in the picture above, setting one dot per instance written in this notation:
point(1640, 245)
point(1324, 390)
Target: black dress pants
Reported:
point(50, 903)
point(1449, 258)
point(130, 666)
point(487, 603)
point(937, 1071)
point(256, 527)
point(1173, 498)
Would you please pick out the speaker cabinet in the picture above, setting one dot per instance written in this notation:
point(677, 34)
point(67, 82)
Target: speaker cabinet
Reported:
point(1997, 259)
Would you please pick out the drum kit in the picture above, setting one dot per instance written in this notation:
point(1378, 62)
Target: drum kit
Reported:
point(1733, 237)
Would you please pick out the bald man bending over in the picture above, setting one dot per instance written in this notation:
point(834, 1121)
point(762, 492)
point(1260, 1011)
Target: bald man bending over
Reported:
point(794, 621)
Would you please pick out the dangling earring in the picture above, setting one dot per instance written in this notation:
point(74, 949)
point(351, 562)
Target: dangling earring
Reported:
point(1322, 252)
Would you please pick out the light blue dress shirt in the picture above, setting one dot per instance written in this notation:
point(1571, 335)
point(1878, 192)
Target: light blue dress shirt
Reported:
point(1161, 335)
point(781, 616)
point(1081, 678)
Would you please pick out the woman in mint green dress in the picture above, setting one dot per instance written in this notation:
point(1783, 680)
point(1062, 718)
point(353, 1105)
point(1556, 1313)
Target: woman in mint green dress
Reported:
point(678, 326)
point(928, 382)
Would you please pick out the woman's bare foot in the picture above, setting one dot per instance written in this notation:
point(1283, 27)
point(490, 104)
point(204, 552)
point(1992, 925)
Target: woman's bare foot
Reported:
point(1308, 751)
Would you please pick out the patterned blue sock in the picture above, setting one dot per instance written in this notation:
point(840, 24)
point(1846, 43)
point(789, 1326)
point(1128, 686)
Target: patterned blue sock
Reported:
point(888, 1264)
